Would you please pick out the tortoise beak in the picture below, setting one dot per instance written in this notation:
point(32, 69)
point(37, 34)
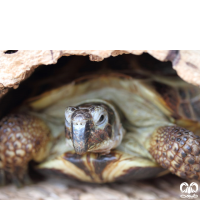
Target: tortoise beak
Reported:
point(80, 136)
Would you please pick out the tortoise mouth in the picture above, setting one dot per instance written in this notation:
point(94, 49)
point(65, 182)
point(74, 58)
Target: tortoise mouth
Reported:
point(81, 132)
point(81, 127)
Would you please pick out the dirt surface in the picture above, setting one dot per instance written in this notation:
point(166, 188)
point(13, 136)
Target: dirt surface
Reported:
point(167, 187)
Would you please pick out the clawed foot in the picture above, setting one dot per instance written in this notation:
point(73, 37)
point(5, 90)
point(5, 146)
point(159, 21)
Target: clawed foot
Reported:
point(22, 138)
point(178, 150)
point(18, 179)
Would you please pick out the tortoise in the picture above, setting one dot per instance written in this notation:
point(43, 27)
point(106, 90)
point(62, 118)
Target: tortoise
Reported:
point(117, 127)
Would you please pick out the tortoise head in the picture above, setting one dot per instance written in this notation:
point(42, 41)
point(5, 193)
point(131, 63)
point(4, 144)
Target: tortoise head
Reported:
point(89, 127)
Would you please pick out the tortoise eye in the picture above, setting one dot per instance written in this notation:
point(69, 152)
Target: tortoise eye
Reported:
point(101, 119)
point(70, 108)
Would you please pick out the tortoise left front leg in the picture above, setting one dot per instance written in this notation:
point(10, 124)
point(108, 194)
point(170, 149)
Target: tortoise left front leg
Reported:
point(22, 138)
point(176, 149)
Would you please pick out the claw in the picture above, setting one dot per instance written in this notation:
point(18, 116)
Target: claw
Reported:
point(17, 181)
point(27, 180)
point(2, 177)
point(20, 181)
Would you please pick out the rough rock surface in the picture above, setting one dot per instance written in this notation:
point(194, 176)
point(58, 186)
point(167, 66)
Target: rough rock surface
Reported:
point(15, 66)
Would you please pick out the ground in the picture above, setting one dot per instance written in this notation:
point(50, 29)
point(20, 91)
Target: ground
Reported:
point(163, 188)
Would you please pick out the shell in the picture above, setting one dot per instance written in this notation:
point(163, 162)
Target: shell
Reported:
point(156, 101)
point(150, 101)
point(50, 107)
point(99, 168)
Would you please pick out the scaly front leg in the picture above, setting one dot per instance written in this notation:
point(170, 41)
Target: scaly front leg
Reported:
point(176, 149)
point(22, 138)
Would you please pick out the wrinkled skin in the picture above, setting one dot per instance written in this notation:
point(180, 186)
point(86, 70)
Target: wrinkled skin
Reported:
point(93, 126)
point(160, 122)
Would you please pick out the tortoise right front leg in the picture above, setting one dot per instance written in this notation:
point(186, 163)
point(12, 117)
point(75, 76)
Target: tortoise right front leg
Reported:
point(22, 138)
point(176, 149)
